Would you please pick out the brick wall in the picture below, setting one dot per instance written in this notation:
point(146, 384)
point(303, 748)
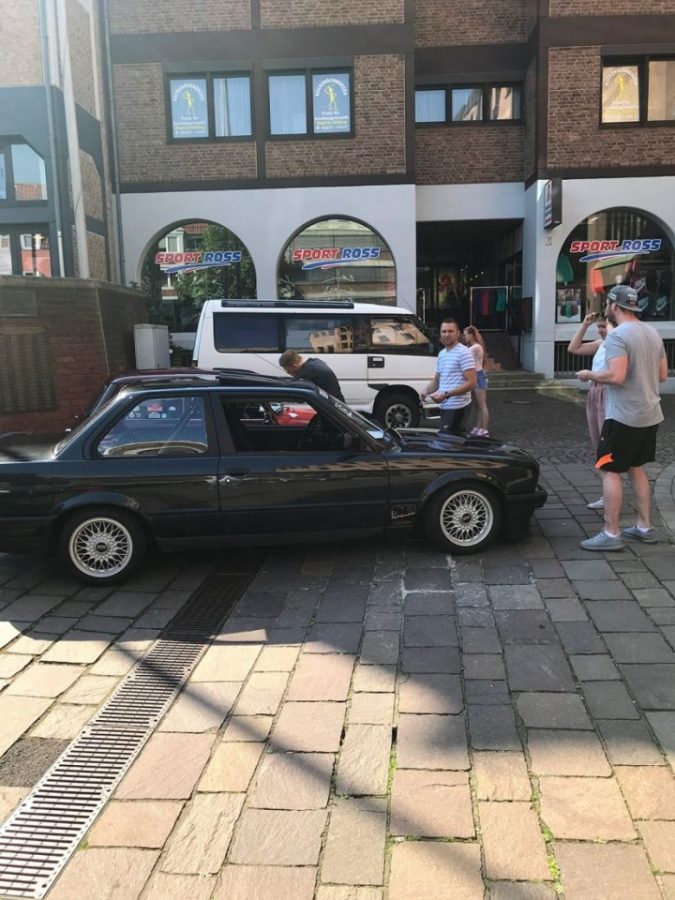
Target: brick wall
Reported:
point(96, 252)
point(451, 22)
point(575, 138)
point(148, 16)
point(469, 155)
point(609, 7)
point(317, 13)
point(91, 187)
point(20, 52)
point(81, 361)
point(144, 152)
point(378, 146)
point(81, 58)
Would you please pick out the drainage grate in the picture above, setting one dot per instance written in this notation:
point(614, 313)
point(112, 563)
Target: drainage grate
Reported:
point(39, 838)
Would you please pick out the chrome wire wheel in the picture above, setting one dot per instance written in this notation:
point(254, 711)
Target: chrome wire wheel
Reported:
point(466, 518)
point(100, 547)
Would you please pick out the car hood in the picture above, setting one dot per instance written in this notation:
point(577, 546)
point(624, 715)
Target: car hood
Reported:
point(421, 440)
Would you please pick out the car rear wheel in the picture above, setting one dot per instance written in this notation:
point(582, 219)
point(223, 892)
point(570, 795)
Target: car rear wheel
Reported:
point(464, 518)
point(102, 546)
point(398, 411)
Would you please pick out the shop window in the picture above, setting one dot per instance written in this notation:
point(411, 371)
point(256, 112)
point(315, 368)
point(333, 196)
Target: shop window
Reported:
point(23, 177)
point(188, 264)
point(616, 246)
point(468, 103)
point(310, 102)
point(638, 91)
point(337, 259)
point(210, 106)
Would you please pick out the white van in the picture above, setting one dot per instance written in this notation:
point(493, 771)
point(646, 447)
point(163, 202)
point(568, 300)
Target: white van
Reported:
point(383, 356)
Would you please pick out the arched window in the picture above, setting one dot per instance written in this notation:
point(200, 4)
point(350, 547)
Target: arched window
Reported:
point(190, 263)
point(337, 258)
point(615, 246)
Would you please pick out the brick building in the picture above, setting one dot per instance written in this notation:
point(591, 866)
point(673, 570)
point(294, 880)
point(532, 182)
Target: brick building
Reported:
point(426, 145)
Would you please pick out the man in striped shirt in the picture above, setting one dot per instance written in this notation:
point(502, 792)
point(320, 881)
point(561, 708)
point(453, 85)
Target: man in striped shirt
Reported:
point(454, 380)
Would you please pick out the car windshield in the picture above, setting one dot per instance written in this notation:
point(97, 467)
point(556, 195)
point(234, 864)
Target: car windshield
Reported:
point(374, 429)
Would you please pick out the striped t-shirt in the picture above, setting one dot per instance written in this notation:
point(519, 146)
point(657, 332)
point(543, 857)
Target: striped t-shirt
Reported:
point(450, 365)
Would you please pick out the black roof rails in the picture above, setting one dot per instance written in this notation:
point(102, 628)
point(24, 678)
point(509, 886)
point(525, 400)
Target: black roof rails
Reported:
point(289, 304)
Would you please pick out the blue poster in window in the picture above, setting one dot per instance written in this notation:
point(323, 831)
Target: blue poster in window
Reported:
point(189, 113)
point(331, 103)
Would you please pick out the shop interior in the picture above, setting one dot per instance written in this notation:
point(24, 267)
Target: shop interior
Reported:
point(470, 270)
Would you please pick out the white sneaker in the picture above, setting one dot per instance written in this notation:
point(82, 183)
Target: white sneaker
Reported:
point(596, 504)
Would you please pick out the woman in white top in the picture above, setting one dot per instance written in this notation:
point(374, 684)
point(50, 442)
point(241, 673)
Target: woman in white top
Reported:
point(476, 345)
point(595, 399)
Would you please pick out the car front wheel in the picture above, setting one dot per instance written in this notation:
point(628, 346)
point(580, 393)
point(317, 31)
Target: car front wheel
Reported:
point(464, 518)
point(102, 546)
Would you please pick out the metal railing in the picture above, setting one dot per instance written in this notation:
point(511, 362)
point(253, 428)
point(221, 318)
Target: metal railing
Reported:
point(566, 364)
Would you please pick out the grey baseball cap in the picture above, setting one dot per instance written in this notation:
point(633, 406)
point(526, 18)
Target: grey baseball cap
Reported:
point(624, 296)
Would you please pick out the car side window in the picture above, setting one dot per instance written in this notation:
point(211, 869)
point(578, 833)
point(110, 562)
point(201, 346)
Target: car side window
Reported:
point(290, 425)
point(398, 334)
point(323, 334)
point(159, 426)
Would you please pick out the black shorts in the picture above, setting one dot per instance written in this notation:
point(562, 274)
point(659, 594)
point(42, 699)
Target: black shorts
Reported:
point(453, 419)
point(622, 448)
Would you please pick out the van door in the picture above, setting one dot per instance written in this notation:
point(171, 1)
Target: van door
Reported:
point(339, 339)
point(400, 352)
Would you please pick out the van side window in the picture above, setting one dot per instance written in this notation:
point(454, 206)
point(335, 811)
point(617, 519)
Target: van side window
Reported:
point(241, 332)
point(322, 334)
point(398, 334)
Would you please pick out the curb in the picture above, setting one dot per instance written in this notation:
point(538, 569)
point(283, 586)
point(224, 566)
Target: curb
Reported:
point(664, 499)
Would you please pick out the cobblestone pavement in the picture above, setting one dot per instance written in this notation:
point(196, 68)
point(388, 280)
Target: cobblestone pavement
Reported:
point(378, 721)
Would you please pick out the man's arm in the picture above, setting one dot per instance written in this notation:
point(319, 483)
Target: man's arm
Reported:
point(663, 369)
point(469, 385)
point(431, 388)
point(615, 373)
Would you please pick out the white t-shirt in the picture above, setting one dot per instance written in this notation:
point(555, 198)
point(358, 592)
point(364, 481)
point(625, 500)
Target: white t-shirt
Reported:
point(451, 365)
point(599, 359)
point(477, 352)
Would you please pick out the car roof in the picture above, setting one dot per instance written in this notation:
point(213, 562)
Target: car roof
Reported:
point(216, 378)
point(304, 307)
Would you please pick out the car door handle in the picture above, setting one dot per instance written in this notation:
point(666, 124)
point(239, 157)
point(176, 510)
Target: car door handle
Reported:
point(376, 362)
point(233, 475)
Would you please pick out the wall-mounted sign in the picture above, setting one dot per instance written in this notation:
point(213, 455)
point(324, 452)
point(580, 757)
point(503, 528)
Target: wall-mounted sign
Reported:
point(330, 257)
point(331, 103)
point(189, 113)
point(608, 249)
point(194, 260)
point(552, 203)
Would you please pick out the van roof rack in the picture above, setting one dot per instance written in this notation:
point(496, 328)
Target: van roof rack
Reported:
point(289, 304)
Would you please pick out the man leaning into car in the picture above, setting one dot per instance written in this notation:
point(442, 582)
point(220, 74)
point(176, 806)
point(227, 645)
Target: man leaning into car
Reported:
point(312, 369)
point(454, 380)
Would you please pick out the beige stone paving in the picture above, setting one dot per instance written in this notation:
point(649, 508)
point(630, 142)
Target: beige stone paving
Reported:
point(371, 709)
point(265, 883)
point(501, 775)
point(10, 797)
point(225, 662)
point(659, 841)
point(17, 714)
point(523, 856)
point(429, 870)
point(431, 804)
point(309, 727)
point(649, 791)
point(78, 647)
point(321, 677)
point(354, 852)
point(587, 809)
point(293, 781)
point(179, 887)
point(363, 764)
point(106, 874)
point(63, 722)
point(201, 706)
point(90, 689)
point(135, 823)
point(203, 834)
point(262, 694)
point(44, 680)
point(231, 767)
point(278, 837)
point(611, 871)
point(168, 767)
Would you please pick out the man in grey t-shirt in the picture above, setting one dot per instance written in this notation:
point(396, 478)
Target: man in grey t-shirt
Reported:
point(636, 363)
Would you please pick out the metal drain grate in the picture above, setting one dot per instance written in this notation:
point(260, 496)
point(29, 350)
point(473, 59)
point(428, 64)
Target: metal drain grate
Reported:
point(40, 836)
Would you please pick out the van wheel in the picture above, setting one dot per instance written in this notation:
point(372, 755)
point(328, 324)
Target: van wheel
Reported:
point(463, 518)
point(102, 546)
point(398, 411)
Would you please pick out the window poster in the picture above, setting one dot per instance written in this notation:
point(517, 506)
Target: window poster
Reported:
point(620, 94)
point(189, 113)
point(331, 103)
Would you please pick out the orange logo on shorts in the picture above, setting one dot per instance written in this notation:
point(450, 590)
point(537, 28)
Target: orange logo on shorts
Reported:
point(607, 458)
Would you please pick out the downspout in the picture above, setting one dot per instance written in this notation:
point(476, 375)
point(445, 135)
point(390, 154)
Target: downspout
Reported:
point(121, 263)
point(47, 77)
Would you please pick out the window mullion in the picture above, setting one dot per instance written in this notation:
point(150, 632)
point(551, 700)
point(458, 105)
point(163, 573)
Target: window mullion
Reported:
point(309, 105)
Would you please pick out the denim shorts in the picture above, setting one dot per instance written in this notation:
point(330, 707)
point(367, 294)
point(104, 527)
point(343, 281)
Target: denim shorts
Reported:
point(481, 380)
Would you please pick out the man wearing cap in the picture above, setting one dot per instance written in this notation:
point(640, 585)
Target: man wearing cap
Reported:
point(635, 361)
